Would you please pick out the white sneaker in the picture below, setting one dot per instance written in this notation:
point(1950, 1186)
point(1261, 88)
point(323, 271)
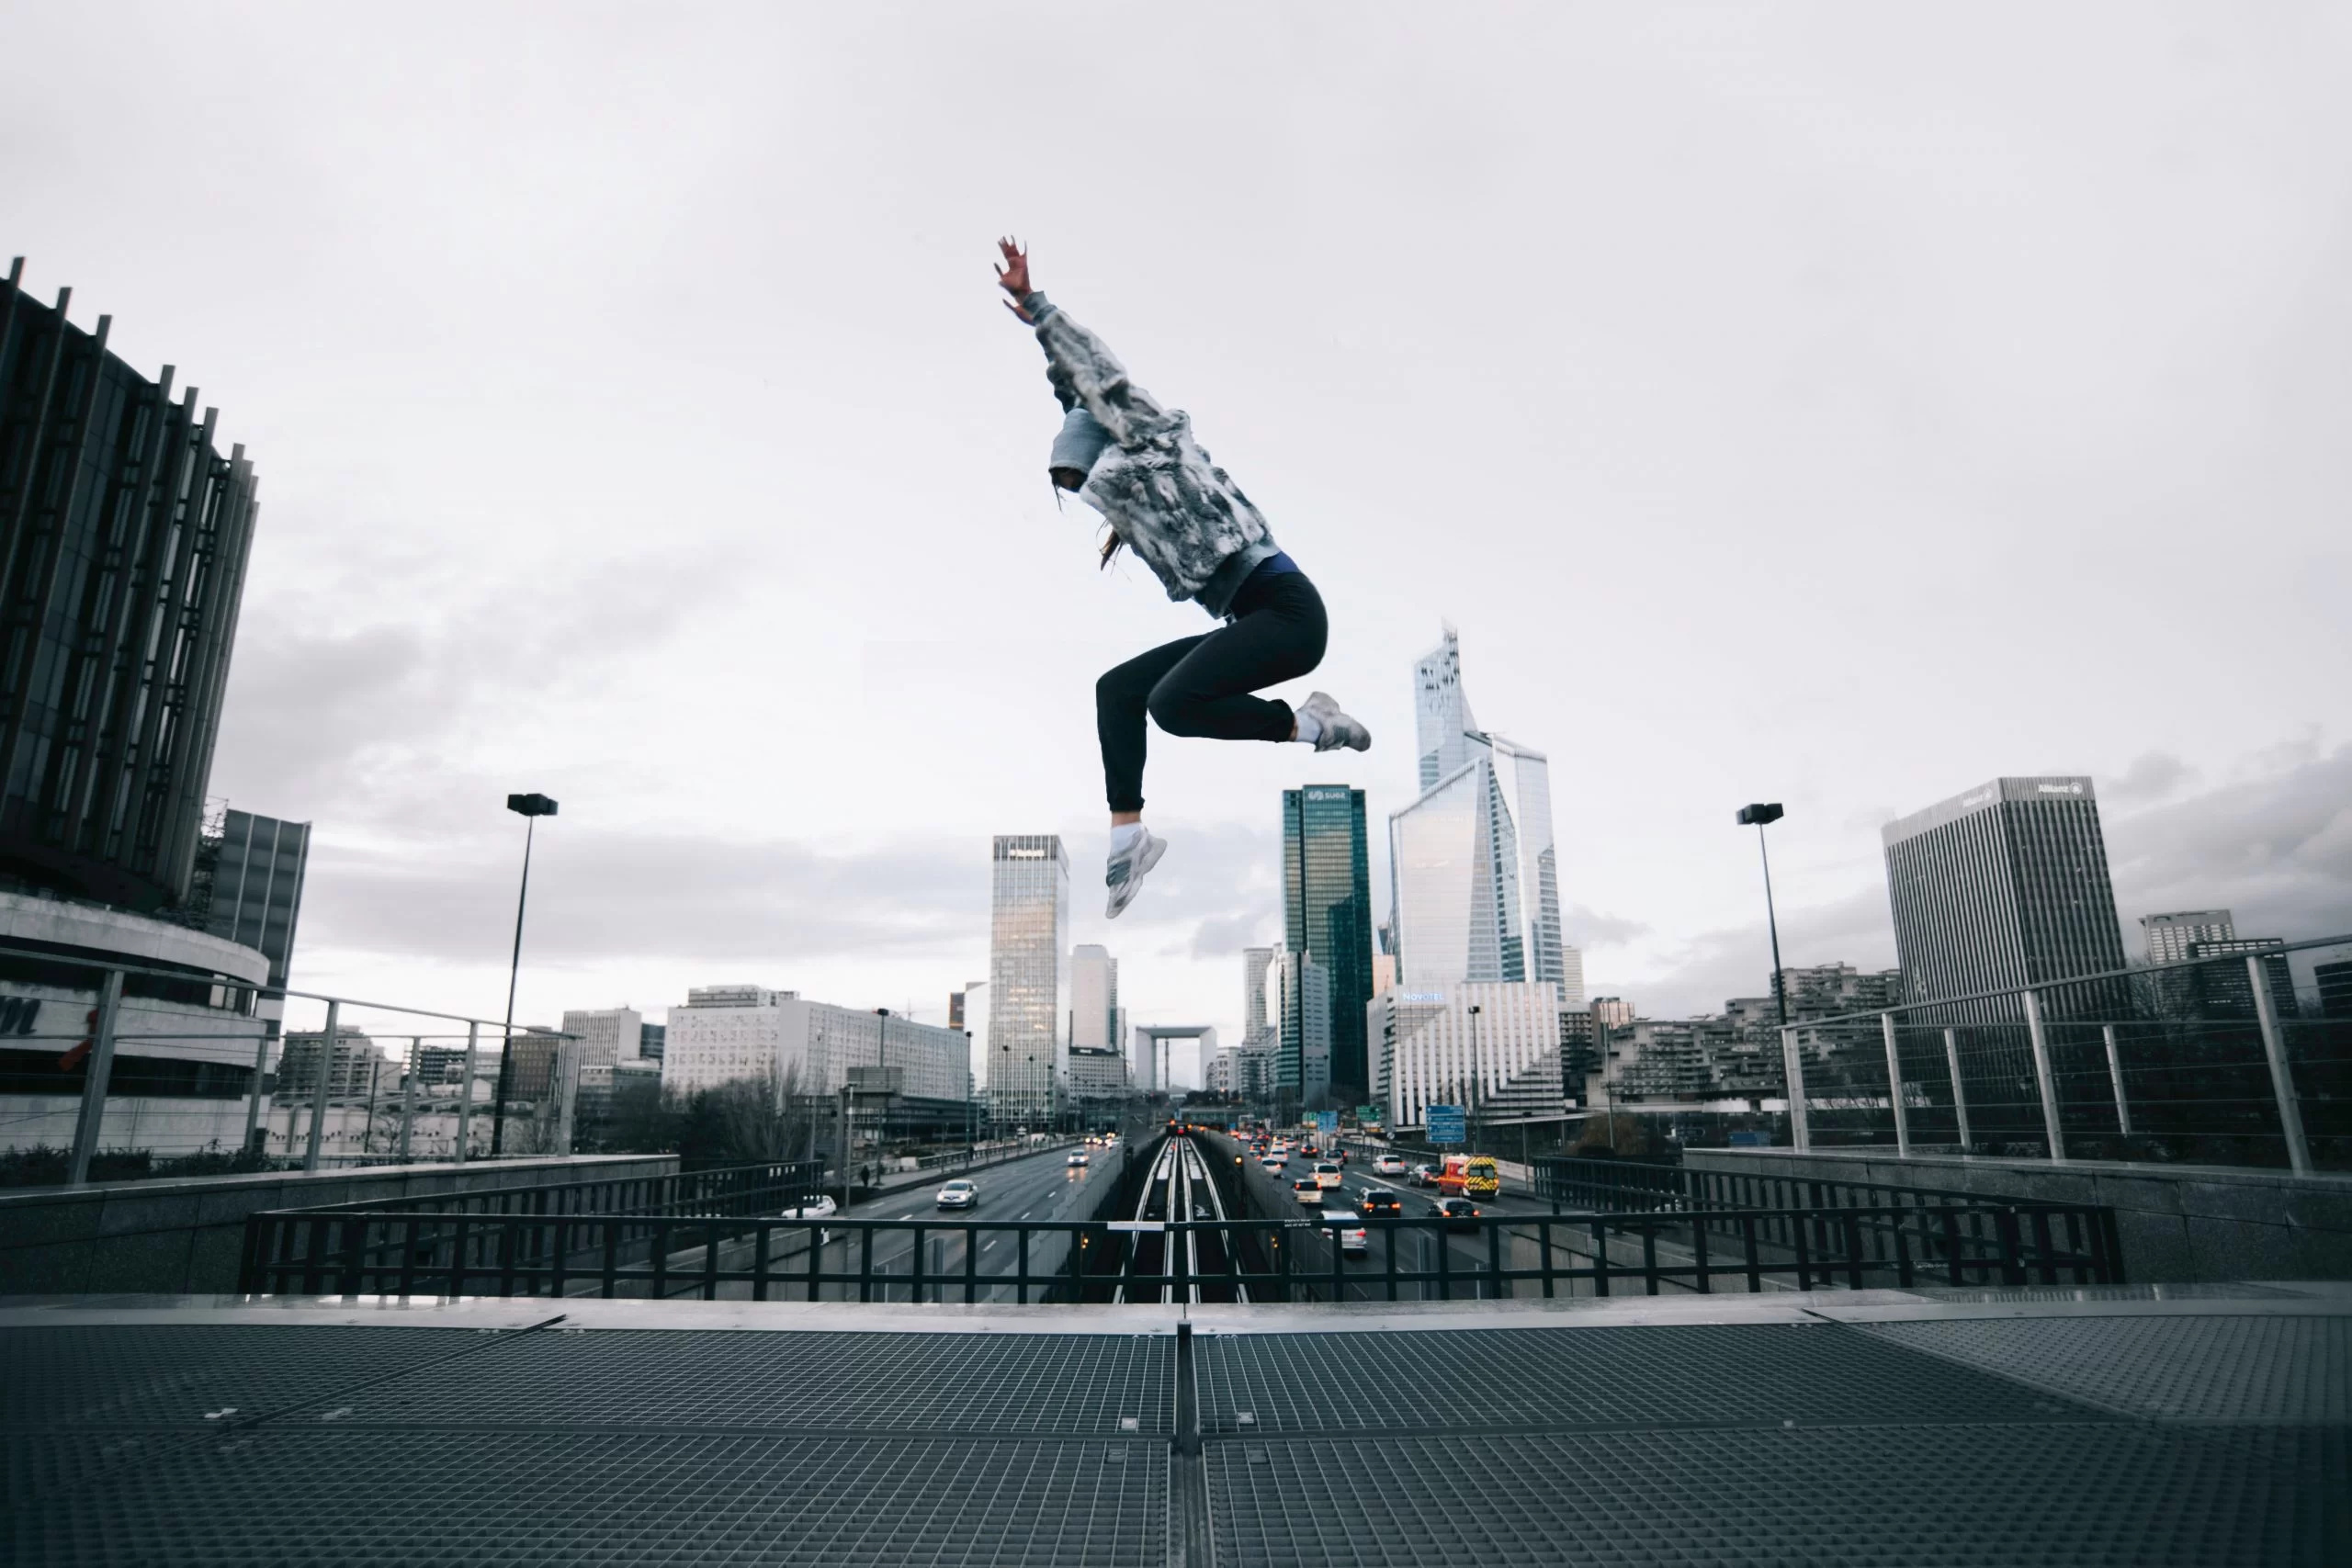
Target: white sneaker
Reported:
point(1128, 867)
point(1338, 729)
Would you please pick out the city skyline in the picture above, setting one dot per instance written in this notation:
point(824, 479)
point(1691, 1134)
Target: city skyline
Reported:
point(1679, 635)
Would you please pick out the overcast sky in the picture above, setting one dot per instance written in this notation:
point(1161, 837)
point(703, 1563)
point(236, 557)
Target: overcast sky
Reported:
point(1839, 405)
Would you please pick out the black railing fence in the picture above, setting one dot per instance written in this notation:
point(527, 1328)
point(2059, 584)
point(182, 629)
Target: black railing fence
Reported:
point(723, 1242)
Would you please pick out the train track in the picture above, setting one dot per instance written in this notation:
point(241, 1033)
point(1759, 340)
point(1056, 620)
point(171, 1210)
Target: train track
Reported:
point(1179, 1190)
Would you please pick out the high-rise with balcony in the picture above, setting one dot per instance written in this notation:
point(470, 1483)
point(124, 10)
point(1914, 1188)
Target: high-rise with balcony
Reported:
point(1028, 975)
point(1327, 911)
point(1474, 868)
point(2001, 888)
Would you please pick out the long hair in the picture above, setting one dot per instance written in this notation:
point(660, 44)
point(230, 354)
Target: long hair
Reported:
point(1109, 546)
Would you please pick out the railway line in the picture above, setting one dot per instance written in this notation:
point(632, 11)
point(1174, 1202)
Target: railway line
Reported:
point(1179, 1190)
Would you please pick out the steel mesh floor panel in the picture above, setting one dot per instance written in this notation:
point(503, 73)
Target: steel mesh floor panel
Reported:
point(1063, 1383)
point(1716, 1372)
point(2210, 1369)
point(383, 1498)
point(177, 1373)
point(2119, 1494)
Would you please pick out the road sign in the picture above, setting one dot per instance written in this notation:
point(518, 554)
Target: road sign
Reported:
point(1446, 1124)
point(1327, 1121)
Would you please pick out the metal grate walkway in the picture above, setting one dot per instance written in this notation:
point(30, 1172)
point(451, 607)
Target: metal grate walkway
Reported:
point(1845, 1428)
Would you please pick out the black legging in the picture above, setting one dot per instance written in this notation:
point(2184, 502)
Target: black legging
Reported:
point(1202, 685)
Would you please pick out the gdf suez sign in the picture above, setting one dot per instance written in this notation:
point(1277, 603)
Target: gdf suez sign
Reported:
point(17, 1014)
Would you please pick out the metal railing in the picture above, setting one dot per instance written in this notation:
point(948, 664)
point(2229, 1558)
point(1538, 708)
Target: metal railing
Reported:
point(85, 1052)
point(2211, 1060)
point(724, 1242)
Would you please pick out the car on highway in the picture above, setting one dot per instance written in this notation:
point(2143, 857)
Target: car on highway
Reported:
point(1078, 1157)
point(1425, 1176)
point(958, 1194)
point(1388, 1164)
point(1308, 1192)
point(1273, 1162)
point(820, 1207)
point(1309, 1149)
point(1380, 1203)
point(1458, 1214)
point(1342, 1224)
point(1327, 1173)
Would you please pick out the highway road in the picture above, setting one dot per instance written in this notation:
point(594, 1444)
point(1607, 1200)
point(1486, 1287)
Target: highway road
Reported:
point(1044, 1188)
point(1466, 1251)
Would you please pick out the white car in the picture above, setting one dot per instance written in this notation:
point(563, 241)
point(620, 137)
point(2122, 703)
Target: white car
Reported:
point(1326, 1174)
point(1350, 1235)
point(1078, 1157)
point(820, 1207)
point(1275, 1163)
point(1388, 1164)
point(959, 1194)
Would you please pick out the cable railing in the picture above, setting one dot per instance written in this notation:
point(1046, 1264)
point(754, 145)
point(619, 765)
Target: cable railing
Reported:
point(2218, 1059)
point(199, 1043)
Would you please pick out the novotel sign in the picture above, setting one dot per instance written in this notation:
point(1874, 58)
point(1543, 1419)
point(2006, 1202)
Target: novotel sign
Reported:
point(1437, 997)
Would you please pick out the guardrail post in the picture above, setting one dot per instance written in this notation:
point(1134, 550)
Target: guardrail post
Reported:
point(1792, 1071)
point(465, 1093)
point(1959, 1095)
point(2041, 1077)
point(408, 1094)
point(96, 1072)
point(2282, 1077)
point(1894, 1087)
point(2115, 1077)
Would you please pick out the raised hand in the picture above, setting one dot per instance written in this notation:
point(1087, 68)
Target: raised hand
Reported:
point(1013, 275)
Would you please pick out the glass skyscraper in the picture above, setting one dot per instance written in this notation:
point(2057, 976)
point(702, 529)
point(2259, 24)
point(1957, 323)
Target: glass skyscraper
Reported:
point(1327, 911)
point(1475, 873)
point(1028, 975)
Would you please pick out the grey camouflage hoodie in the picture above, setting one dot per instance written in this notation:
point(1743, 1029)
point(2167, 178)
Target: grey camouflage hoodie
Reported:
point(1176, 509)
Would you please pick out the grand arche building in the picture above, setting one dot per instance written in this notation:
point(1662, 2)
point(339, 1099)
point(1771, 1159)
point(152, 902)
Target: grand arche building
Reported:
point(123, 538)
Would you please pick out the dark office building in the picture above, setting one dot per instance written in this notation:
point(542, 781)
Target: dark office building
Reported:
point(1326, 913)
point(2005, 886)
point(2226, 990)
point(2335, 982)
point(652, 1039)
point(123, 537)
point(257, 886)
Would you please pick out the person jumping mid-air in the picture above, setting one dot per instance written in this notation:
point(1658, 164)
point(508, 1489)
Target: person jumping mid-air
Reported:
point(1138, 464)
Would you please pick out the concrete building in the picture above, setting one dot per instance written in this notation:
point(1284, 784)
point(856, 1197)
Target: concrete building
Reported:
point(727, 1032)
point(607, 1035)
point(2005, 886)
point(1475, 885)
point(1298, 991)
point(1097, 1073)
point(184, 1066)
point(1505, 1059)
point(2167, 938)
point(1096, 1020)
point(1256, 1018)
point(353, 1069)
point(1028, 976)
point(1327, 910)
point(969, 1011)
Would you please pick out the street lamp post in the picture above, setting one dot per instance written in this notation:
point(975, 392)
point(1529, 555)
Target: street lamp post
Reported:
point(531, 808)
point(1757, 816)
point(1477, 1098)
